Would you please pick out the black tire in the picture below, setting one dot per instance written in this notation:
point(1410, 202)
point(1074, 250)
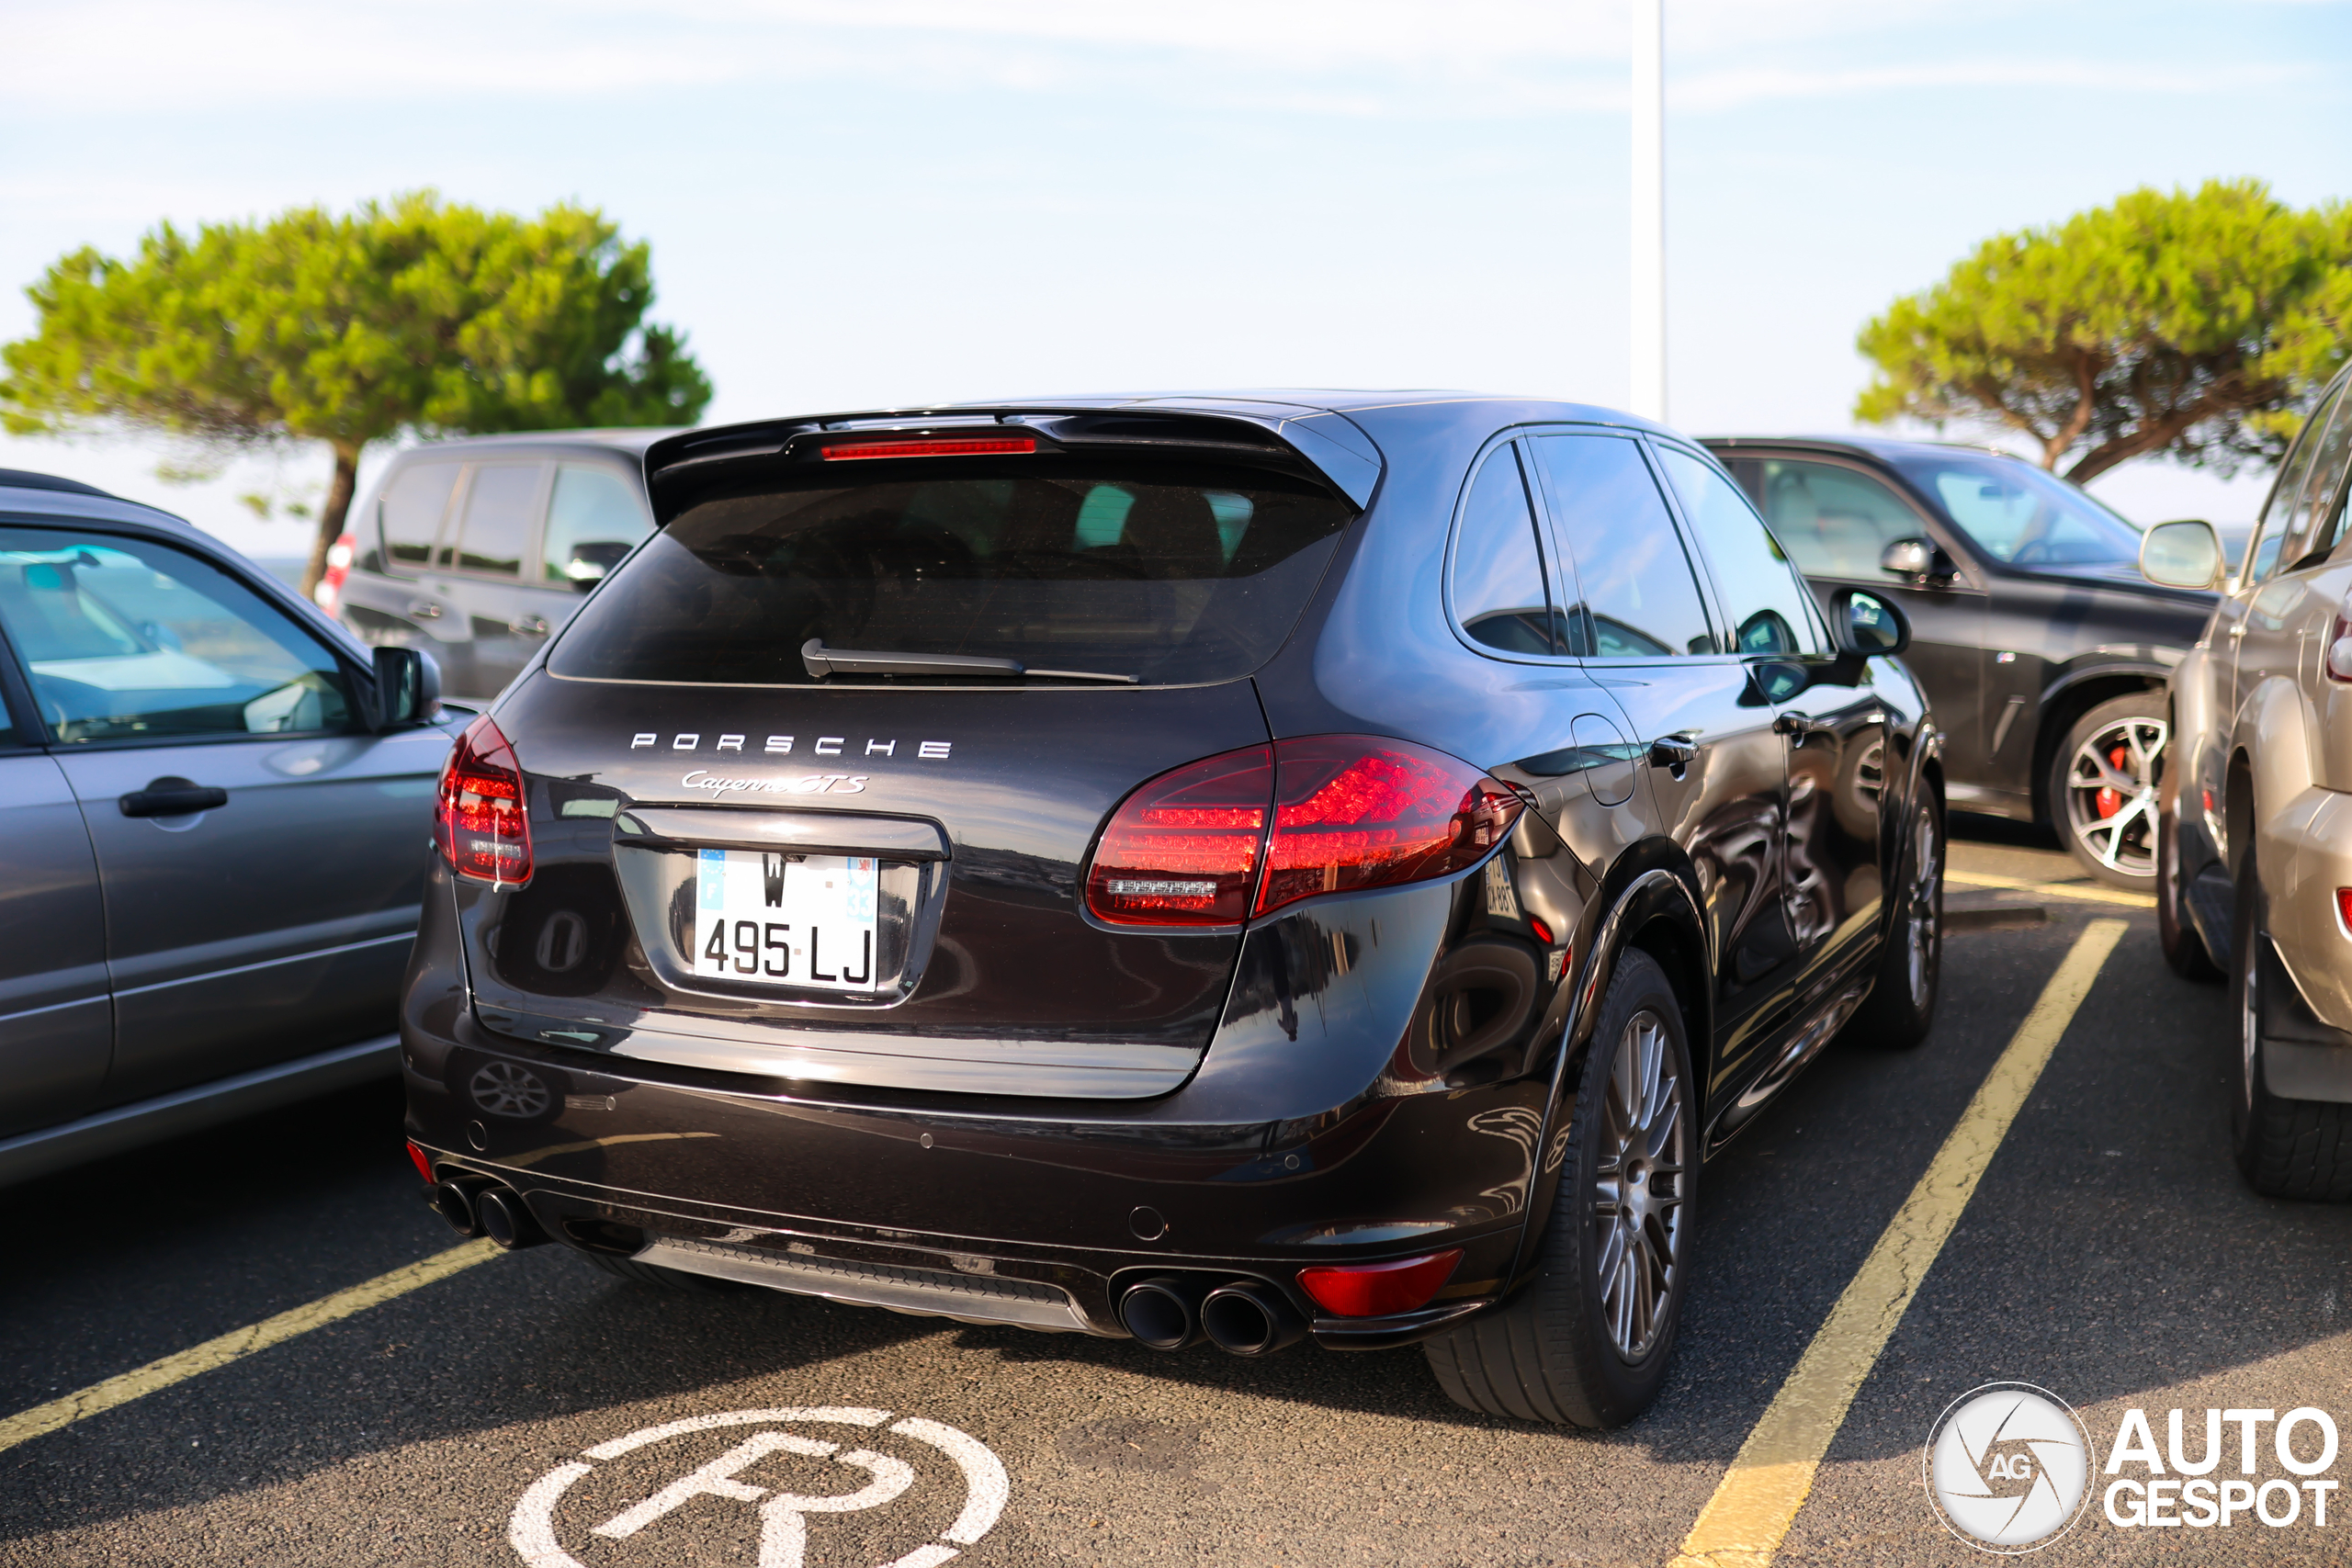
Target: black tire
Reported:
point(1557, 1350)
point(675, 1281)
point(2287, 1148)
point(2184, 949)
point(2112, 833)
point(1902, 1004)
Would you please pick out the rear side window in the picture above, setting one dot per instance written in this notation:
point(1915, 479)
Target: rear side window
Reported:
point(410, 513)
point(1172, 573)
point(1498, 572)
point(594, 518)
point(125, 638)
point(496, 526)
point(1636, 597)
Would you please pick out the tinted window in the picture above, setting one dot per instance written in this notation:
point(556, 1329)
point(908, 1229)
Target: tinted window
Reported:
point(2015, 512)
point(496, 526)
point(124, 637)
point(411, 512)
point(1498, 565)
point(1834, 521)
point(594, 518)
point(1171, 573)
point(1634, 595)
point(2310, 526)
point(1769, 609)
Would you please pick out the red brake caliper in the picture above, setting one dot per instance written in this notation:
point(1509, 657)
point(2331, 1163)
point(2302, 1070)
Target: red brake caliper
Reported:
point(2110, 803)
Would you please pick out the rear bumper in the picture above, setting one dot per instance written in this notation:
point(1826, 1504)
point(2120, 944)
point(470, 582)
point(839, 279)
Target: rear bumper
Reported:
point(1317, 1131)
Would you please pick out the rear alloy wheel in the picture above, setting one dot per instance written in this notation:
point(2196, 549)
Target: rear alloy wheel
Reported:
point(2103, 788)
point(1586, 1342)
point(2287, 1148)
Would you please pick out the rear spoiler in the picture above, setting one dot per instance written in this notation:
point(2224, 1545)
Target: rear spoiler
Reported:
point(1316, 442)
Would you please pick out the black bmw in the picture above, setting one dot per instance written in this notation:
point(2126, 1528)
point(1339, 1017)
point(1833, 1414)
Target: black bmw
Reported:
point(1213, 867)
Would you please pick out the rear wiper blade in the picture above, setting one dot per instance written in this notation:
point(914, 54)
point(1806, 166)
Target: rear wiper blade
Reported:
point(822, 661)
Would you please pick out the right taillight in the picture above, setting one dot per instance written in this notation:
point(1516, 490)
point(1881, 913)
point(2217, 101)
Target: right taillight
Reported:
point(483, 831)
point(1248, 831)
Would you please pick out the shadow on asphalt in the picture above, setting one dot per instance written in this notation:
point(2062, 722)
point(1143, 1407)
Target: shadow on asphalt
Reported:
point(2110, 1248)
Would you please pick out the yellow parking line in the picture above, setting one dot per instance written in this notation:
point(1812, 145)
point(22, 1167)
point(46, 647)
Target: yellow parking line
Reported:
point(121, 1390)
point(1742, 1524)
point(2054, 889)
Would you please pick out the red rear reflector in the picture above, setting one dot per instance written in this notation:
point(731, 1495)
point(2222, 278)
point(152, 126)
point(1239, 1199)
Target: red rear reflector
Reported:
point(2343, 908)
point(1182, 851)
point(953, 449)
point(482, 828)
point(1351, 811)
point(424, 1166)
point(1377, 1289)
point(1542, 933)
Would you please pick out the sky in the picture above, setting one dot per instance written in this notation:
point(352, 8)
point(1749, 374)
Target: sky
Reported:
point(872, 203)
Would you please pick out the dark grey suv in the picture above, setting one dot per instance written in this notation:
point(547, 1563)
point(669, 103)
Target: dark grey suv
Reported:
point(479, 550)
point(214, 811)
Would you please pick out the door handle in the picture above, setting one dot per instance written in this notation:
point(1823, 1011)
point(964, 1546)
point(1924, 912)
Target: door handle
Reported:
point(172, 797)
point(1796, 724)
point(2237, 628)
point(424, 610)
point(529, 625)
point(1673, 752)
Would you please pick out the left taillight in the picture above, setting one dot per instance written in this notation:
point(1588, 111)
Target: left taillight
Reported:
point(1246, 832)
point(329, 592)
point(483, 829)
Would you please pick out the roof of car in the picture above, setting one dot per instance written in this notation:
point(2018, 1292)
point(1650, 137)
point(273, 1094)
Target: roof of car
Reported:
point(631, 439)
point(1333, 400)
point(25, 479)
point(1881, 446)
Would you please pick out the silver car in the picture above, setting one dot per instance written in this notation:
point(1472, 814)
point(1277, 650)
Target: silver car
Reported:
point(215, 812)
point(479, 549)
point(2254, 857)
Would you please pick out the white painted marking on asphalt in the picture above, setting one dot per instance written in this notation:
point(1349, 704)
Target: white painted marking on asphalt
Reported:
point(984, 1477)
point(784, 1530)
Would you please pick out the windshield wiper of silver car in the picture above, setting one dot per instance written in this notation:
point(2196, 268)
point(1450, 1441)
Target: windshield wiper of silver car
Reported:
point(822, 661)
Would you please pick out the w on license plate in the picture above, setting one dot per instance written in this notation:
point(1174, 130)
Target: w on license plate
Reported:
point(800, 921)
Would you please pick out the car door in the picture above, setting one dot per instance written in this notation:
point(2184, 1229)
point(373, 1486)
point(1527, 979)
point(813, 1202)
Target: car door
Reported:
point(262, 853)
point(386, 599)
point(1835, 518)
point(56, 1013)
point(1633, 610)
point(480, 572)
point(1835, 734)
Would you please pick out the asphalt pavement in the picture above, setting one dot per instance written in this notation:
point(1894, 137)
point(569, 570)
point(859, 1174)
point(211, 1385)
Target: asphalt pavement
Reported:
point(2110, 1254)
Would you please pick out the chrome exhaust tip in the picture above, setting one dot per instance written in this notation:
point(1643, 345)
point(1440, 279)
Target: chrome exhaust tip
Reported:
point(454, 1206)
point(504, 1218)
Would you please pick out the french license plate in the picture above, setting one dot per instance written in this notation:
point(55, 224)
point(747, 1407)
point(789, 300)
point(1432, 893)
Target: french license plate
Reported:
point(805, 921)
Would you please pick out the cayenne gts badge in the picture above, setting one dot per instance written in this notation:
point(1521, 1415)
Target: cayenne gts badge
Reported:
point(812, 784)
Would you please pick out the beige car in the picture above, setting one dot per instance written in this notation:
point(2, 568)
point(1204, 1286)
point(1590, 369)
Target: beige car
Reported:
point(2254, 859)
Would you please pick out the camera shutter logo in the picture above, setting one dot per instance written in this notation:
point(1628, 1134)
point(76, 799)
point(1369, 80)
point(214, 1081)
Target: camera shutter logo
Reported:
point(2007, 1467)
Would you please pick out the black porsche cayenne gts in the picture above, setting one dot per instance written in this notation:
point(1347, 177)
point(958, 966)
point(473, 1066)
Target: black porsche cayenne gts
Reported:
point(1209, 867)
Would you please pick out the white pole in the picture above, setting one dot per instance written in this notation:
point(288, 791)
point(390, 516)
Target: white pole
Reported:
point(1649, 208)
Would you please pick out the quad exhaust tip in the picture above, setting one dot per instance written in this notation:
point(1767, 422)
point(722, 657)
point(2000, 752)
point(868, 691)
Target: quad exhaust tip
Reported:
point(482, 1208)
point(1241, 1317)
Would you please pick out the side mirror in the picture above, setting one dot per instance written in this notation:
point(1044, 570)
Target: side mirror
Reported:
point(1908, 557)
point(2183, 555)
point(1866, 625)
point(408, 688)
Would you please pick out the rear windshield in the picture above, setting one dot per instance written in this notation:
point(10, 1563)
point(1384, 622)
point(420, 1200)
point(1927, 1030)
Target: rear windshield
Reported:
point(1173, 574)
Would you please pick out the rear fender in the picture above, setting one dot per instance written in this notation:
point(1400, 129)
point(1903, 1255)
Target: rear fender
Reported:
point(1651, 902)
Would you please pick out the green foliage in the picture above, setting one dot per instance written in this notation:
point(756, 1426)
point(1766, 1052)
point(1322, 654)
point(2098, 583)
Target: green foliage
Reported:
point(2194, 325)
point(415, 316)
